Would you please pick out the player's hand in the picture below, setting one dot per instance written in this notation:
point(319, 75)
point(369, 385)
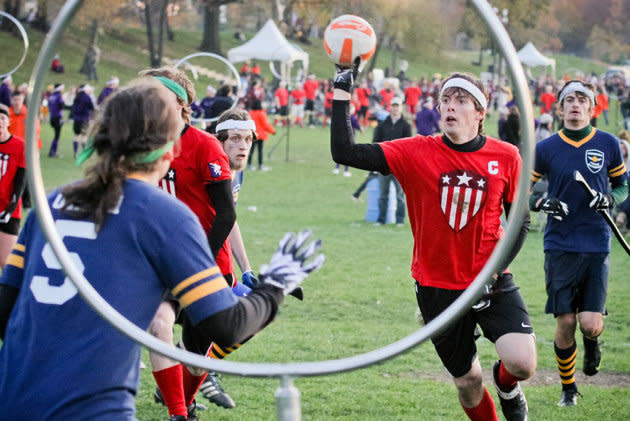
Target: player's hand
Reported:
point(288, 266)
point(346, 76)
point(250, 279)
point(554, 207)
point(601, 201)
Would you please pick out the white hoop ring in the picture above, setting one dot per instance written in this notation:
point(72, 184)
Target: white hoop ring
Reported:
point(24, 39)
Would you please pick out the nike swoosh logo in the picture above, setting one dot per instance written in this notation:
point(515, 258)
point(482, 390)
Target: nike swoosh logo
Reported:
point(524, 325)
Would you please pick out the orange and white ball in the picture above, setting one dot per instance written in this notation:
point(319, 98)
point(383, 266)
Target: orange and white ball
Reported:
point(347, 37)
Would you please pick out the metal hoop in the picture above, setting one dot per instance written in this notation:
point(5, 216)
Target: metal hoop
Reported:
point(24, 39)
point(288, 370)
point(227, 63)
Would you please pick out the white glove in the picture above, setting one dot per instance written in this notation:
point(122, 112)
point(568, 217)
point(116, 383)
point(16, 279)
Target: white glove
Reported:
point(5, 217)
point(288, 268)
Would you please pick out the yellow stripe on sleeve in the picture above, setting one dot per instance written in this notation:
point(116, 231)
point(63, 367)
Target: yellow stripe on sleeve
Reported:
point(19, 247)
point(15, 260)
point(617, 173)
point(202, 291)
point(196, 277)
point(617, 168)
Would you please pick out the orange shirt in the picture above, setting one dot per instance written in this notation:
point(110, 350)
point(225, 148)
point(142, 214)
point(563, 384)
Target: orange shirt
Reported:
point(263, 126)
point(17, 125)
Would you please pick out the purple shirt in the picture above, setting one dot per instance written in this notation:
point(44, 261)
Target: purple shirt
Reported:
point(427, 121)
point(5, 95)
point(107, 91)
point(55, 105)
point(82, 107)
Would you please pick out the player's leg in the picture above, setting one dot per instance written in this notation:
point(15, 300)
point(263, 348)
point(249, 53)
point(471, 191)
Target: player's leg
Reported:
point(400, 203)
point(8, 239)
point(562, 272)
point(383, 198)
point(506, 323)
point(592, 307)
point(168, 374)
point(456, 348)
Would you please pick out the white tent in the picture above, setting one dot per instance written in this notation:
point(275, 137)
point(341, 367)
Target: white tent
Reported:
point(269, 45)
point(531, 57)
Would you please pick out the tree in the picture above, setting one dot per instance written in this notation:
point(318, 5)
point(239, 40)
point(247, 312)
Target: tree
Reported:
point(14, 8)
point(210, 40)
point(155, 22)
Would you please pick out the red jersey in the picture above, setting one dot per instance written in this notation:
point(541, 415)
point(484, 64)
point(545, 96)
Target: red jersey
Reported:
point(283, 96)
point(298, 96)
point(547, 99)
point(363, 95)
point(386, 98)
point(310, 87)
point(455, 201)
point(12, 157)
point(201, 161)
point(412, 93)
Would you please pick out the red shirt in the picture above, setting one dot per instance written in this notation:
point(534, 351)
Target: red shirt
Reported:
point(547, 99)
point(17, 125)
point(298, 96)
point(310, 88)
point(12, 157)
point(455, 200)
point(412, 93)
point(386, 98)
point(283, 96)
point(363, 96)
point(201, 161)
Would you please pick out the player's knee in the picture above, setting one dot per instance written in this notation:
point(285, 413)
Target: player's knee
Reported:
point(592, 329)
point(523, 368)
point(469, 383)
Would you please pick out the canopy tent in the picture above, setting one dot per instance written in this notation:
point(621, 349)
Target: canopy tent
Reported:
point(269, 45)
point(531, 57)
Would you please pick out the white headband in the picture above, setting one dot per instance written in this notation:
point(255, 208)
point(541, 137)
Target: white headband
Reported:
point(236, 125)
point(458, 82)
point(577, 87)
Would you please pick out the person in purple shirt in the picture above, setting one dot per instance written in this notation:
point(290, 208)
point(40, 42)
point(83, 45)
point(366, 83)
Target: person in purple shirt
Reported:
point(5, 91)
point(109, 88)
point(427, 119)
point(81, 112)
point(55, 107)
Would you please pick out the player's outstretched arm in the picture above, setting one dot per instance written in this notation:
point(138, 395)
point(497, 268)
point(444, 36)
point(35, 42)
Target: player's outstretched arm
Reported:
point(291, 263)
point(343, 148)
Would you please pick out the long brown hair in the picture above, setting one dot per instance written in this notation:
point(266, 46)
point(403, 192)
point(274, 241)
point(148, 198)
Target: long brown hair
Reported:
point(180, 77)
point(134, 120)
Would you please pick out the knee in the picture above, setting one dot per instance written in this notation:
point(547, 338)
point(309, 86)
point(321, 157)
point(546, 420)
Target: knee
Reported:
point(523, 368)
point(592, 328)
point(468, 384)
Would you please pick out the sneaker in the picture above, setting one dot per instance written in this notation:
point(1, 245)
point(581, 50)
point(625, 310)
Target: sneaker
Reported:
point(251, 168)
point(336, 171)
point(192, 415)
point(569, 397)
point(592, 357)
point(157, 396)
point(264, 168)
point(347, 174)
point(354, 198)
point(513, 403)
point(211, 389)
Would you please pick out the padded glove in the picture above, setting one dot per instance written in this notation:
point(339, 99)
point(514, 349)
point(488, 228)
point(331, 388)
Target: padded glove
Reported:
point(554, 207)
point(601, 201)
point(345, 77)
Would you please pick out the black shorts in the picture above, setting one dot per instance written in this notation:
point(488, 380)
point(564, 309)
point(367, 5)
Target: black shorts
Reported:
point(456, 344)
point(12, 227)
point(363, 110)
point(576, 282)
point(328, 112)
point(78, 126)
point(283, 110)
point(310, 105)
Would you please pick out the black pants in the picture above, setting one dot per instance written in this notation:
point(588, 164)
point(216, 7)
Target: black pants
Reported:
point(56, 124)
point(258, 144)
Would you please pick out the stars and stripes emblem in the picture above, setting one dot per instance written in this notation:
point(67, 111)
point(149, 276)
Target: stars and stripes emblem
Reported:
point(167, 183)
point(4, 164)
point(462, 194)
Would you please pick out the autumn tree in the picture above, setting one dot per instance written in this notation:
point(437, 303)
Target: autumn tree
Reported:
point(210, 39)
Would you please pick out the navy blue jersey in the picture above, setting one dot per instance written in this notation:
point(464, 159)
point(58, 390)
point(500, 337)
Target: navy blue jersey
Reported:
point(60, 360)
point(598, 158)
point(237, 183)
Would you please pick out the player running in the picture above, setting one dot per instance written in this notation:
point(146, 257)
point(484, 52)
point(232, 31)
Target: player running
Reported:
point(59, 359)
point(457, 186)
point(577, 239)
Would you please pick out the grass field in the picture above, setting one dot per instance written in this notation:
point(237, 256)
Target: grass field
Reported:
point(363, 299)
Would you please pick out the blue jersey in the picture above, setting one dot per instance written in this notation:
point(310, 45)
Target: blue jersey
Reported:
point(60, 360)
point(598, 158)
point(237, 183)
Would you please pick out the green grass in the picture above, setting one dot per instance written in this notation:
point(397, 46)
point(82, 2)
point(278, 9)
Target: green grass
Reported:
point(362, 299)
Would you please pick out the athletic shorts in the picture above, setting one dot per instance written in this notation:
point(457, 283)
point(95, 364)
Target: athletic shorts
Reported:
point(12, 227)
point(576, 282)
point(310, 105)
point(283, 110)
point(363, 110)
point(78, 126)
point(506, 313)
point(328, 112)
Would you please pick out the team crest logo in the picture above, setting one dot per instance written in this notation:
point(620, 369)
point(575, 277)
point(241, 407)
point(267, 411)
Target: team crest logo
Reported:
point(215, 169)
point(462, 194)
point(594, 160)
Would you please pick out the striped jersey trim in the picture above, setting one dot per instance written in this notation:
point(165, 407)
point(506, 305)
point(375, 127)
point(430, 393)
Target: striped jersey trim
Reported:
point(577, 144)
point(202, 291)
point(194, 278)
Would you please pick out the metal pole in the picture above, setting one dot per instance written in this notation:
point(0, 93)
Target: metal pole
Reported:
point(288, 400)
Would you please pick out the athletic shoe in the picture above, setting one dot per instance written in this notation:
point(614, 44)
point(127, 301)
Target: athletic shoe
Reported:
point(192, 415)
point(157, 396)
point(336, 171)
point(569, 397)
point(264, 168)
point(354, 198)
point(592, 357)
point(347, 174)
point(513, 403)
point(211, 389)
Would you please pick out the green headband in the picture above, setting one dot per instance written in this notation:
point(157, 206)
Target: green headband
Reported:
point(141, 158)
point(174, 86)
